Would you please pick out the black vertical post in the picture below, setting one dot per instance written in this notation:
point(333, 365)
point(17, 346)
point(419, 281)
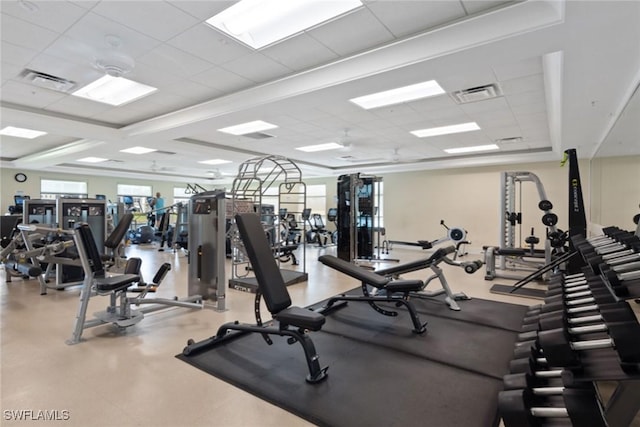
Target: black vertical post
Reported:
point(577, 216)
point(343, 220)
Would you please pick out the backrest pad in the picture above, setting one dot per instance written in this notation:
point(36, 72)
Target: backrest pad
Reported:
point(118, 233)
point(91, 249)
point(266, 269)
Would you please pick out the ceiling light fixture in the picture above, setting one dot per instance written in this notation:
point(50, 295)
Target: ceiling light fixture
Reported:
point(215, 162)
point(473, 149)
point(320, 147)
point(446, 130)
point(399, 95)
point(21, 132)
point(259, 23)
point(138, 150)
point(114, 91)
point(249, 127)
point(92, 160)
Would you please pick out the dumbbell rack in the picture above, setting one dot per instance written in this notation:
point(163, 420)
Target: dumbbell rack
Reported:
point(585, 333)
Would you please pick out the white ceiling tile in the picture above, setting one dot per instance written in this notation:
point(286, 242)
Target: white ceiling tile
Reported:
point(168, 21)
point(523, 84)
point(31, 96)
point(93, 28)
point(512, 70)
point(14, 54)
point(300, 52)
point(221, 79)
point(489, 105)
point(403, 18)
point(202, 10)
point(86, 4)
point(256, 67)
point(58, 67)
point(352, 33)
point(523, 98)
point(53, 15)
point(211, 45)
point(11, 147)
point(152, 76)
point(534, 107)
point(25, 34)
point(77, 106)
point(192, 90)
point(433, 103)
point(10, 71)
point(175, 61)
point(73, 51)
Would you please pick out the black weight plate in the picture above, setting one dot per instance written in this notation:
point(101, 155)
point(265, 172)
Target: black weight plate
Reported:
point(545, 205)
point(550, 219)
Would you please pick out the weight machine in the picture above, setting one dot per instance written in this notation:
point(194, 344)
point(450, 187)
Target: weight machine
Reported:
point(509, 255)
point(358, 217)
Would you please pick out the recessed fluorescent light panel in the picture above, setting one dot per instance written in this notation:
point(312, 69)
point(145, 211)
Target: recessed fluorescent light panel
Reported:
point(259, 23)
point(401, 94)
point(249, 127)
point(138, 150)
point(471, 149)
point(215, 162)
point(114, 90)
point(21, 132)
point(445, 130)
point(92, 160)
point(320, 147)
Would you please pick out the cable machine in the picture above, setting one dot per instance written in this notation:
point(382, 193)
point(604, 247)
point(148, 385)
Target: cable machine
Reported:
point(357, 226)
point(255, 177)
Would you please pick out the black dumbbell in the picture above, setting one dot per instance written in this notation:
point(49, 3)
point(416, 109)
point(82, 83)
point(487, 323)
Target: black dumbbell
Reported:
point(560, 303)
point(574, 312)
point(522, 408)
point(524, 380)
point(580, 325)
point(560, 350)
point(610, 313)
point(615, 258)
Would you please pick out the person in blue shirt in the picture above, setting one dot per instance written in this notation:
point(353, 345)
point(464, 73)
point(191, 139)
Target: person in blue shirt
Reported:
point(159, 203)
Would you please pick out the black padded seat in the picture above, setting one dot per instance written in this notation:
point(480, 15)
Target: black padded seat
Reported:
point(352, 270)
point(115, 283)
point(300, 317)
point(408, 285)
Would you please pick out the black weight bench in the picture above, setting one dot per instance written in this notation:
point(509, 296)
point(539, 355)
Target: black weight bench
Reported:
point(288, 320)
point(395, 291)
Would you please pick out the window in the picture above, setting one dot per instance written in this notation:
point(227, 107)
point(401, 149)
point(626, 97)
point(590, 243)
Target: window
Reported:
point(135, 196)
point(317, 200)
point(180, 195)
point(52, 189)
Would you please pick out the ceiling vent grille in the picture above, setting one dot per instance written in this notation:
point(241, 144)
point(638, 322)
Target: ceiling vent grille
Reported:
point(475, 94)
point(258, 135)
point(165, 152)
point(509, 140)
point(47, 81)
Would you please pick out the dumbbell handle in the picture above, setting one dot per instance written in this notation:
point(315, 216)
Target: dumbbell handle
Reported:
point(591, 344)
point(545, 412)
point(547, 391)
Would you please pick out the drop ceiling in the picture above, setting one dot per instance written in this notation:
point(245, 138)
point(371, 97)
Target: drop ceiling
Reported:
point(563, 70)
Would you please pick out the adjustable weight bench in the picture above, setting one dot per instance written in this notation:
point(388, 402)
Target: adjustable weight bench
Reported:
point(288, 320)
point(396, 291)
point(432, 262)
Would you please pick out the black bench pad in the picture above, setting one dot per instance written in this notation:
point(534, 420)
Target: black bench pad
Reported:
point(354, 271)
point(408, 285)
point(115, 283)
point(301, 318)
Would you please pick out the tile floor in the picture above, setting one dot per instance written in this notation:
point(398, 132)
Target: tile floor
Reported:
point(132, 378)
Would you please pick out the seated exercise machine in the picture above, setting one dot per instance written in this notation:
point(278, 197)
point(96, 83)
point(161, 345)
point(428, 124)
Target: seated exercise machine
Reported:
point(120, 311)
point(456, 235)
point(432, 262)
point(288, 320)
point(395, 291)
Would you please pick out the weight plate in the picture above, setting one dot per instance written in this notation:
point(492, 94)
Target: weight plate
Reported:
point(545, 205)
point(550, 219)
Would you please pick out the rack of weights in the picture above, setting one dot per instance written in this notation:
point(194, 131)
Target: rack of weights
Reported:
point(585, 333)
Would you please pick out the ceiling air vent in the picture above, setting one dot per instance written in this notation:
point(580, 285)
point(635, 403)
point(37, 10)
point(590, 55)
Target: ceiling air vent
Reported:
point(165, 152)
point(258, 135)
point(47, 81)
point(509, 140)
point(474, 94)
